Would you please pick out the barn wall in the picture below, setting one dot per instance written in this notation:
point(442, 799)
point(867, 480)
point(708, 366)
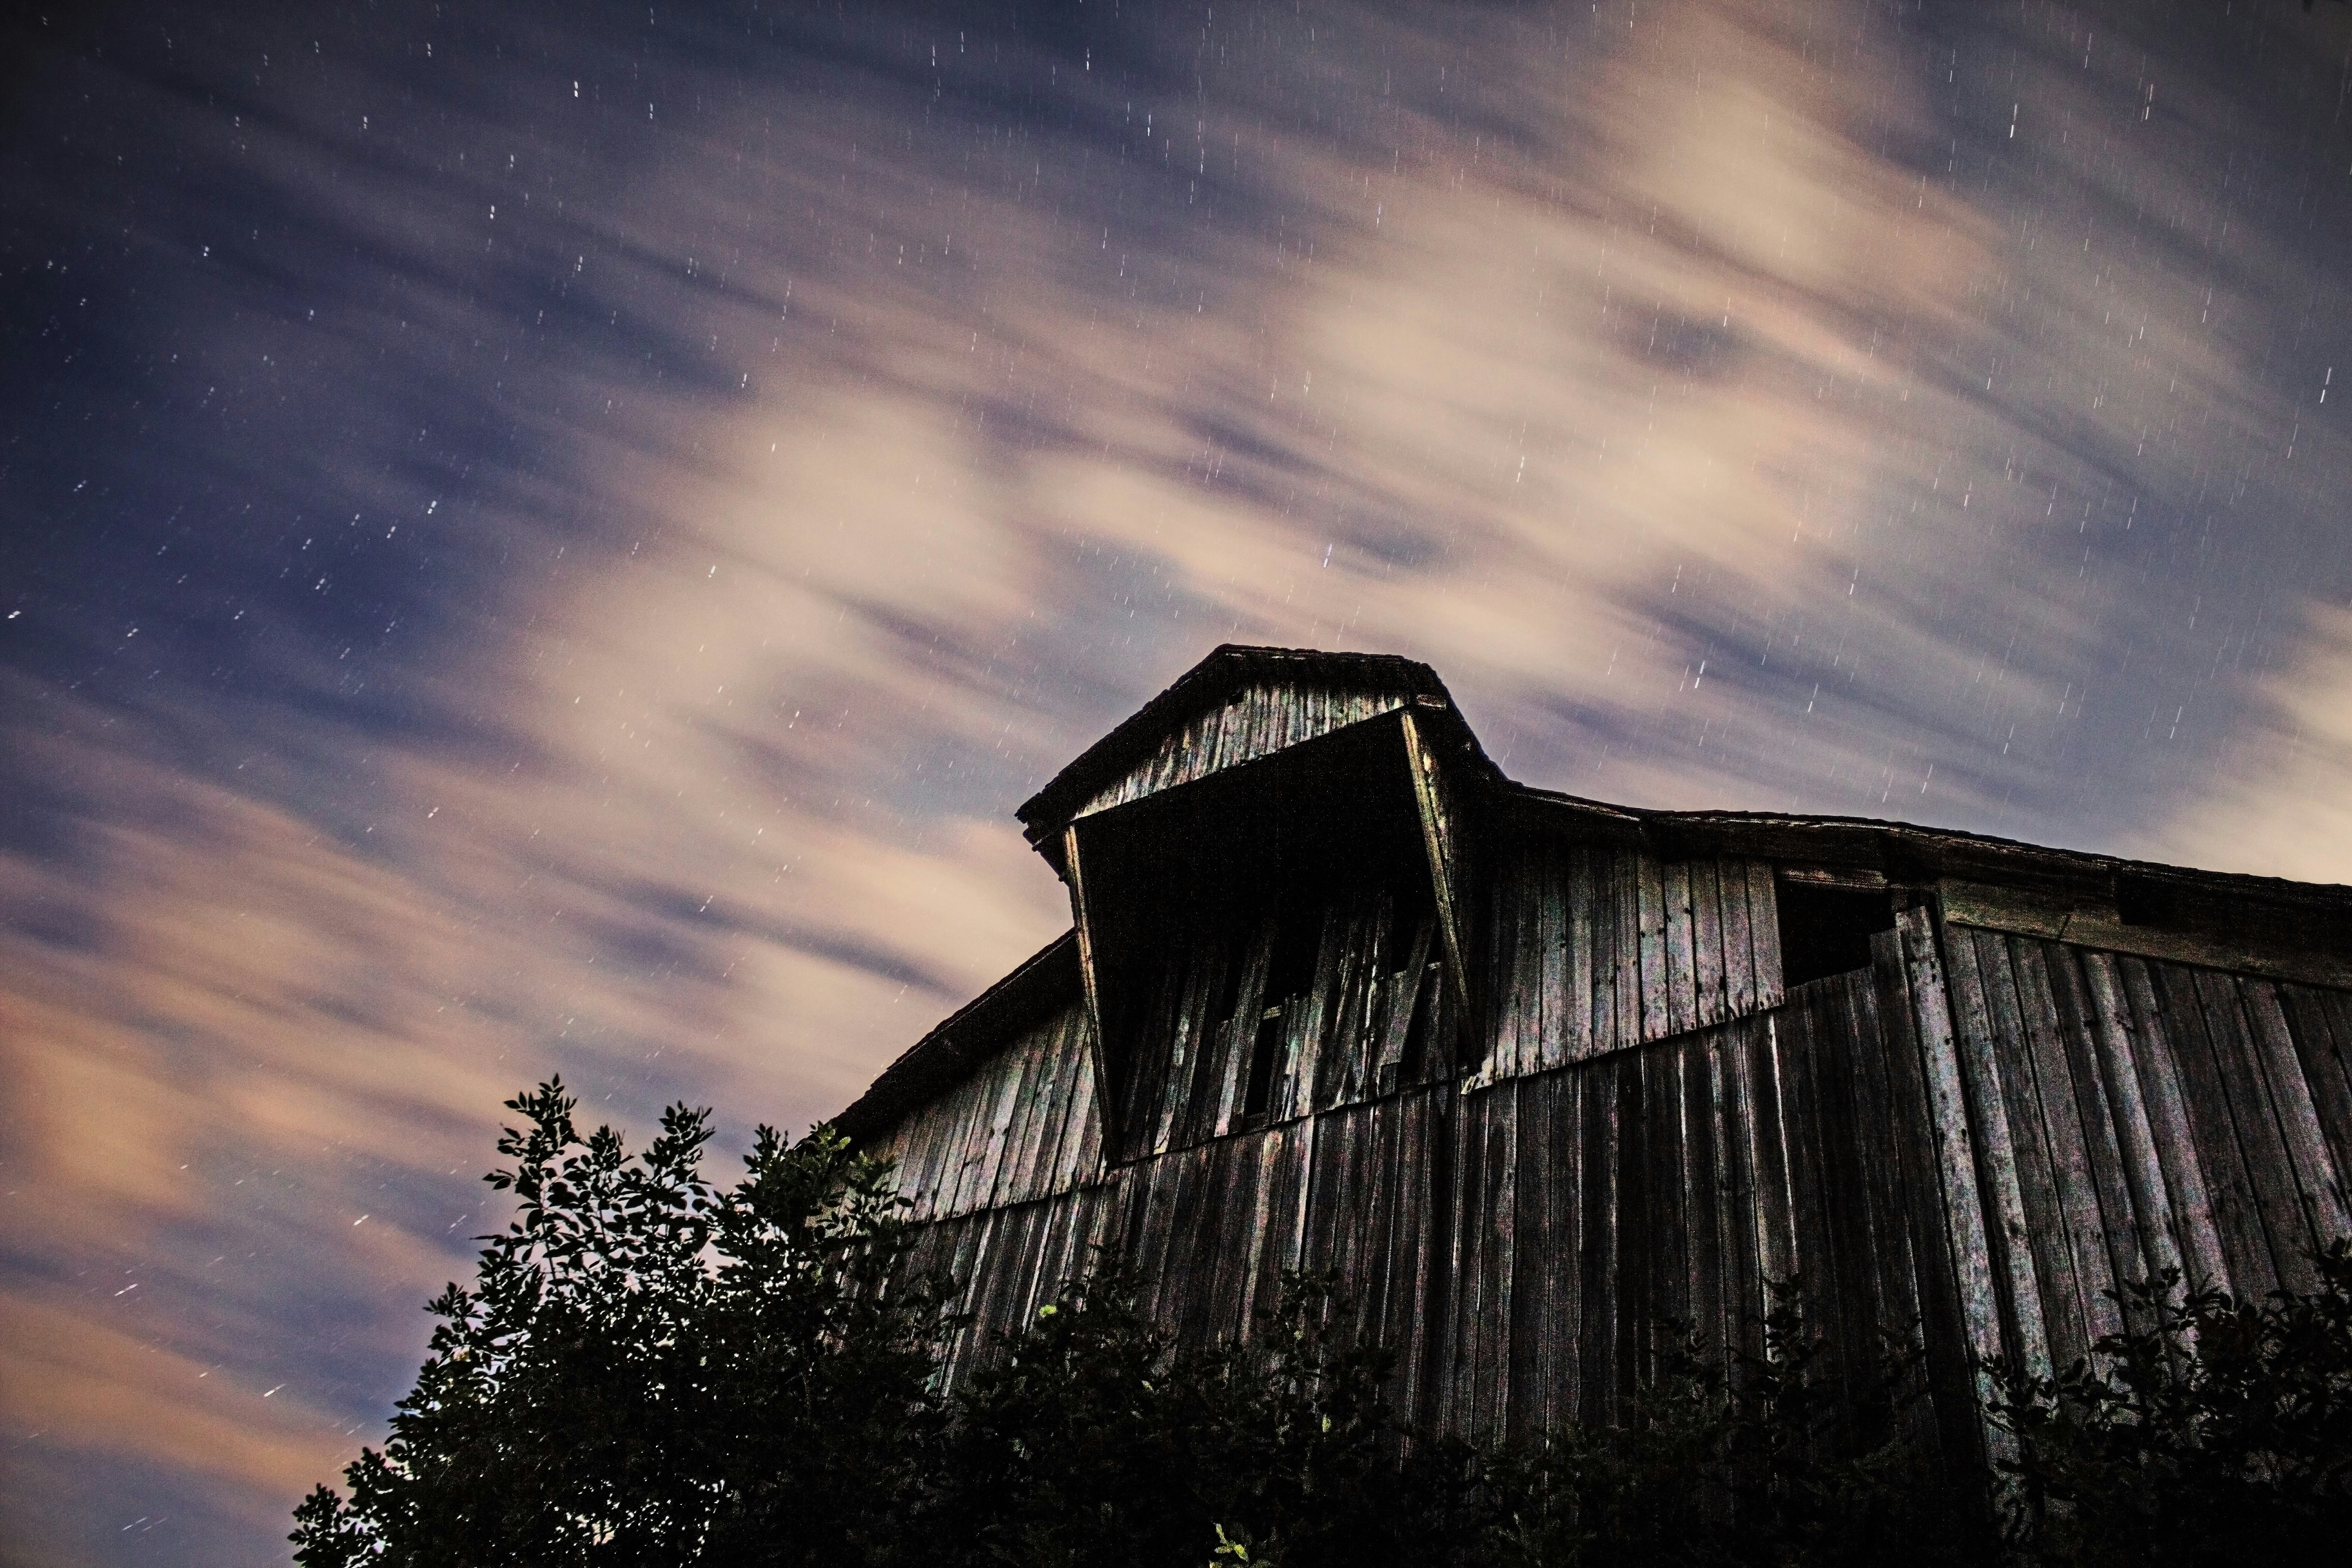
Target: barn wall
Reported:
point(1008, 1262)
point(1523, 1243)
point(1969, 1141)
point(1591, 949)
point(1602, 1208)
point(2136, 1115)
point(1025, 1126)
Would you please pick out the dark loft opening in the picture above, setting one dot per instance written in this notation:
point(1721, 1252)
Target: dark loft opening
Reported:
point(1826, 929)
point(1218, 910)
point(1289, 977)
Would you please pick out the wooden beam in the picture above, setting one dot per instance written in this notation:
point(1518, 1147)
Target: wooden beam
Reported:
point(1436, 839)
point(1107, 1091)
point(2057, 919)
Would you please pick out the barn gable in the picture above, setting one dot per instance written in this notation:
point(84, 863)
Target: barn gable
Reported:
point(1235, 706)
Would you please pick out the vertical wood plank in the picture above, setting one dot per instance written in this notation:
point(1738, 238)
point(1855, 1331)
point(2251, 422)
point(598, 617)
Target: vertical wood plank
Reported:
point(1048, 1174)
point(1681, 947)
point(1666, 1220)
point(1952, 1159)
point(2048, 1238)
point(1553, 990)
point(1804, 1122)
point(1764, 934)
point(2049, 1081)
point(989, 1098)
point(1421, 1195)
point(1851, 1273)
point(1959, 1431)
point(1438, 847)
point(2007, 1227)
point(1082, 1146)
point(1600, 1295)
point(1016, 1176)
point(1498, 1218)
point(1022, 1180)
point(1271, 1221)
point(2317, 1177)
point(2264, 1139)
point(1637, 1231)
point(1107, 1085)
point(1744, 1265)
point(2196, 1204)
point(1886, 1176)
point(1536, 1333)
point(2107, 1234)
point(1455, 1301)
point(1778, 1257)
point(1496, 1052)
point(1372, 1264)
point(1182, 1054)
point(1650, 907)
point(1703, 1198)
point(2094, 1113)
point(1353, 1037)
point(1565, 1259)
point(1707, 943)
point(1526, 997)
point(2230, 1178)
point(2322, 1054)
point(1625, 898)
point(1584, 971)
point(1738, 945)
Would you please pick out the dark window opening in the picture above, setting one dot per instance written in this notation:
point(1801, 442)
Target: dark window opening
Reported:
point(1422, 1000)
point(1226, 999)
point(1297, 943)
point(1289, 977)
point(1267, 1046)
point(1826, 931)
point(2145, 901)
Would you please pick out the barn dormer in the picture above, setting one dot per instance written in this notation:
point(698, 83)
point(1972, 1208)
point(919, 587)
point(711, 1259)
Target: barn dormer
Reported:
point(1267, 870)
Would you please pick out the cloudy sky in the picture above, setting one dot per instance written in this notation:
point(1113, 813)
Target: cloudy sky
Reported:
point(553, 537)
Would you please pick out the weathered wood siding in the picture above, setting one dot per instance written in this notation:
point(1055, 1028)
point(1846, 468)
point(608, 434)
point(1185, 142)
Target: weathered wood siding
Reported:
point(2134, 1115)
point(1008, 1262)
point(1968, 1141)
point(1261, 718)
point(1023, 1127)
point(1598, 1207)
point(1526, 1243)
point(1591, 949)
point(1376, 974)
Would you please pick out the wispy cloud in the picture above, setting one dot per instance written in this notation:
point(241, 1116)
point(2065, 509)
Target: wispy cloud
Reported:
point(2279, 804)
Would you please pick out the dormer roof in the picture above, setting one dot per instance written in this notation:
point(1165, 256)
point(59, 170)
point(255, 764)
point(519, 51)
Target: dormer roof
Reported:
point(1238, 704)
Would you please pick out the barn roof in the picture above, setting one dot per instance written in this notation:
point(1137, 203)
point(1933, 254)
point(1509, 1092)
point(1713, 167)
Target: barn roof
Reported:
point(1217, 680)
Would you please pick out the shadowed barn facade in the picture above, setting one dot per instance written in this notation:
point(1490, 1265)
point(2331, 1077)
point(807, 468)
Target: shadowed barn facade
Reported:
point(1540, 1077)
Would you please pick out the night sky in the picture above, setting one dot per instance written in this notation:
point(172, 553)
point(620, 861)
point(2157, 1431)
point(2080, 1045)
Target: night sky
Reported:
point(544, 537)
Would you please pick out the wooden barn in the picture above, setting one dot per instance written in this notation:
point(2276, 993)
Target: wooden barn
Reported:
point(1538, 1076)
